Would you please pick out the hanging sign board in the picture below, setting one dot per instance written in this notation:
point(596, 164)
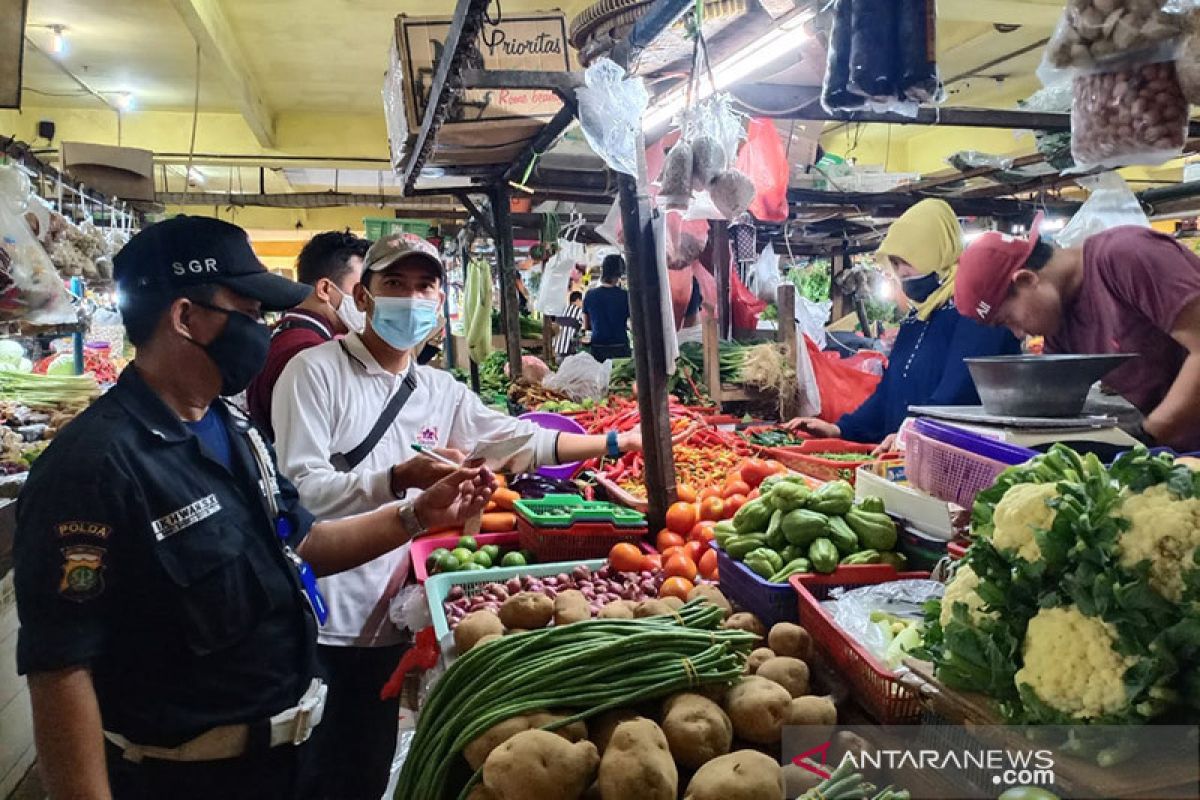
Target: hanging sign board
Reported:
point(12, 51)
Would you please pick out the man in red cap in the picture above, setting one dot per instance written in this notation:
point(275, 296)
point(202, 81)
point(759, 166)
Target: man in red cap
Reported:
point(1126, 290)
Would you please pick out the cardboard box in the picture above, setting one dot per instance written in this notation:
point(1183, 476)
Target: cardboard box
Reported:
point(124, 172)
point(482, 119)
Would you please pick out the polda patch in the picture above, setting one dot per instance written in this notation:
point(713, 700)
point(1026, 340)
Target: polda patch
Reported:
point(83, 572)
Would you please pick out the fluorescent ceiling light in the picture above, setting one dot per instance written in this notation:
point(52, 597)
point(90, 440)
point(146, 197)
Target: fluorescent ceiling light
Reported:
point(58, 40)
point(124, 101)
point(767, 49)
point(1052, 224)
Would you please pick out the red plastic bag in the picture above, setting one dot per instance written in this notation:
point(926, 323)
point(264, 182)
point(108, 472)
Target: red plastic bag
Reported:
point(763, 160)
point(843, 387)
point(744, 304)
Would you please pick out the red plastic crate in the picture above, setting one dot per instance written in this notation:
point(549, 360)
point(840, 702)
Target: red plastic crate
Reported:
point(799, 458)
point(957, 549)
point(576, 543)
point(420, 549)
point(876, 687)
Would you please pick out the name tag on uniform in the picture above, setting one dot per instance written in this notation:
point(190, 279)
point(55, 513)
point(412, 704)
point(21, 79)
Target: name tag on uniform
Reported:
point(186, 517)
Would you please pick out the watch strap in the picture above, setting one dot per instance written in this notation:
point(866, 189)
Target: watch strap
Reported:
point(614, 449)
point(412, 523)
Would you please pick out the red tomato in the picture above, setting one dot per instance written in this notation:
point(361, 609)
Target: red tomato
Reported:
point(776, 467)
point(676, 587)
point(671, 551)
point(679, 566)
point(625, 557)
point(667, 538)
point(753, 495)
point(754, 471)
point(695, 550)
point(685, 493)
point(708, 564)
point(681, 517)
point(652, 562)
point(733, 503)
point(710, 491)
point(702, 532)
point(713, 509)
point(735, 486)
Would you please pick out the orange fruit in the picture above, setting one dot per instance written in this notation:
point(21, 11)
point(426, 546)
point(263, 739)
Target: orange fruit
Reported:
point(676, 586)
point(681, 518)
point(736, 486)
point(733, 503)
point(625, 557)
point(708, 564)
point(703, 531)
point(667, 539)
point(685, 493)
point(712, 509)
point(680, 566)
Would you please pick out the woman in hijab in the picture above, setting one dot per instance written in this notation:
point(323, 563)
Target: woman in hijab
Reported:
point(926, 364)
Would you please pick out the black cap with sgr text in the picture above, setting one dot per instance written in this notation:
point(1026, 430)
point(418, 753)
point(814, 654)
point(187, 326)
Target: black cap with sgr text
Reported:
point(191, 251)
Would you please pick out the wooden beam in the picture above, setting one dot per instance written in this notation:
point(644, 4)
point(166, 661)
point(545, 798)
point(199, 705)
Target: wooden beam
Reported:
point(477, 214)
point(218, 44)
point(954, 176)
point(510, 305)
point(544, 140)
point(718, 230)
point(898, 201)
point(999, 12)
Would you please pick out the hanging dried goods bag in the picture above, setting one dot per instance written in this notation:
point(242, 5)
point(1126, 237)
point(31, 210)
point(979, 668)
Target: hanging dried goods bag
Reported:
point(1093, 33)
point(917, 51)
point(836, 94)
point(873, 50)
point(1134, 115)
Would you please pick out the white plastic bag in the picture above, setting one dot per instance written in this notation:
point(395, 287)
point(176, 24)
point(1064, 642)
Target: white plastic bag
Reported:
point(808, 393)
point(556, 278)
point(610, 113)
point(764, 277)
point(581, 377)
point(30, 288)
point(1111, 204)
point(811, 318)
point(610, 229)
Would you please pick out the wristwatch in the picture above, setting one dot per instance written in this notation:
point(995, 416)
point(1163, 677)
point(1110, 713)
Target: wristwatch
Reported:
point(412, 524)
point(614, 448)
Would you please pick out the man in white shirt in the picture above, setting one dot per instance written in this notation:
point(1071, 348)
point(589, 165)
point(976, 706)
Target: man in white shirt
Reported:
point(326, 403)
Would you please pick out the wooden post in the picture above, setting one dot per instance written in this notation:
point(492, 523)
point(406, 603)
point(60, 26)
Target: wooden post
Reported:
point(548, 331)
point(649, 350)
point(785, 301)
point(711, 349)
point(510, 305)
point(718, 231)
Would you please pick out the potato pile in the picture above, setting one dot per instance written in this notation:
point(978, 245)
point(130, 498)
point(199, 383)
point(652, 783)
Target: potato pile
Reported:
point(703, 745)
point(1093, 31)
point(1133, 115)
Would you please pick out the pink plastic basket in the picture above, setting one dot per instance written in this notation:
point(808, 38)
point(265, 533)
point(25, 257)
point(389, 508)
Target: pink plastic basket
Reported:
point(947, 472)
point(420, 549)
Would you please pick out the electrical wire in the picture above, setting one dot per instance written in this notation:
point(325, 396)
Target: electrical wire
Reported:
point(195, 121)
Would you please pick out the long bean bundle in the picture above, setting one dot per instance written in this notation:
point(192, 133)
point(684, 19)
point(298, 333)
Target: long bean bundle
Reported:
point(587, 667)
point(42, 390)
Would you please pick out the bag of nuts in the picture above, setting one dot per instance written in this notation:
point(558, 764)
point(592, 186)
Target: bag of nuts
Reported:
point(1135, 115)
point(1091, 33)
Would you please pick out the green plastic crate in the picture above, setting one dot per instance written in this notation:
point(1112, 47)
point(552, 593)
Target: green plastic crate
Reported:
point(564, 510)
point(378, 227)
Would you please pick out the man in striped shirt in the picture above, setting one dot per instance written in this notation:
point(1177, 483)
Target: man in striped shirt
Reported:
point(570, 321)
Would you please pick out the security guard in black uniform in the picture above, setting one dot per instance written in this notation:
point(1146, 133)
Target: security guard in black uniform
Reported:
point(165, 574)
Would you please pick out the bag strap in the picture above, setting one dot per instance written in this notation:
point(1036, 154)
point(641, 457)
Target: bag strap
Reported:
point(292, 323)
point(345, 462)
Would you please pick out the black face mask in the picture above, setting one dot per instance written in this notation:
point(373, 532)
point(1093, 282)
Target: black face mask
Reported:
point(919, 289)
point(239, 351)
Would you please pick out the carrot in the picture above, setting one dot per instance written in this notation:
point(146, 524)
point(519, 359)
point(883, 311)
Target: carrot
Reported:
point(498, 522)
point(504, 499)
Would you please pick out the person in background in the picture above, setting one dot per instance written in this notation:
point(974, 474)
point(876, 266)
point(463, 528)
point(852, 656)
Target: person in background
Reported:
point(691, 315)
point(1126, 290)
point(926, 366)
point(606, 312)
point(167, 598)
point(569, 322)
point(327, 403)
point(331, 264)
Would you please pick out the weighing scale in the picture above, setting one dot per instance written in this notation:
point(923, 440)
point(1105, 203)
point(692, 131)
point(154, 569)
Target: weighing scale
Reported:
point(1033, 432)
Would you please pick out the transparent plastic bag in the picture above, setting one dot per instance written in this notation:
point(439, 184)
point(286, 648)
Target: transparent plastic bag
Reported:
point(732, 193)
point(764, 278)
point(1135, 115)
point(918, 78)
point(30, 289)
point(873, 44)
point(1093, 33)
point(715, 116)
point(556, 278)
point(1111, 204)
point(905, 599)
point(581, 377)
point(675, 183)
point(1188, 67)
point(836, 94)
point(610, 114)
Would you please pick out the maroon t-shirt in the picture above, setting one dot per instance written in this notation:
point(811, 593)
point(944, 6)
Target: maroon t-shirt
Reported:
point(1135, 283)
point(297, 331)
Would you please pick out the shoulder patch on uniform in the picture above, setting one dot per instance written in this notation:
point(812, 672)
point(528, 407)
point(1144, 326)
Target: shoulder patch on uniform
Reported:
point(83, 572)
point(94, 530)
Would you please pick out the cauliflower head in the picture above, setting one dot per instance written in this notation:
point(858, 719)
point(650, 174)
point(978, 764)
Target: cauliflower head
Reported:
point(1021, 511)
point(1165, 531)
point(963, 590)
point(1071, 663)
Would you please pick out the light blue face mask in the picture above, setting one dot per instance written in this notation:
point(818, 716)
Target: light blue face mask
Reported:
point(404, 322)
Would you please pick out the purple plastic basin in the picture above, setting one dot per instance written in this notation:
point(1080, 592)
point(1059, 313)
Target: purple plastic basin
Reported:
point(556, 422)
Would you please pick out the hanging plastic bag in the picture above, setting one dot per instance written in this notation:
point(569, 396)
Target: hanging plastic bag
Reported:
point(30, 289)
point(1111, 204)
point(764, 277)
point(745, 307)
point(477, 308)
point(610, 113)
point(610, 228)
point(843, 387)
point(702, 208)
point(873, 50)
point(812, 317)
point(916, 38)
point(765, 163)
point(715, 117)
point(732, 193)
point(808, 392)
point(1188, 67)
point(1093, 33)
point(556, 278)
point(1135, 115)
point(836, 94)
point(675, 183)
point(581, 377)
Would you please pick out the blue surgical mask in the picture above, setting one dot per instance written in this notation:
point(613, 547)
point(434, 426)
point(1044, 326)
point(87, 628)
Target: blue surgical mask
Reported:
point(919, 289)
point(404, 322)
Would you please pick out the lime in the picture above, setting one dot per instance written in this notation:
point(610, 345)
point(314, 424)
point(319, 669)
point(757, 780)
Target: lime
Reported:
point(492, 550)
point(448, 563)
point(468, 543)
point(482, 559)
point(433, 558)
point(462, 554)
point(471, 566)
point(513, 559)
